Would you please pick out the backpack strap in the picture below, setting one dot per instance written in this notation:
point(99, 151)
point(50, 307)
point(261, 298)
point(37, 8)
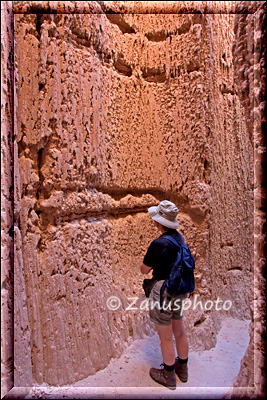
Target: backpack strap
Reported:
point(164, 285)
point(171, 239)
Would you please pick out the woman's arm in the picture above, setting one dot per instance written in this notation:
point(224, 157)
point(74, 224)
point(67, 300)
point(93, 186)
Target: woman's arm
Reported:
point(145, 269)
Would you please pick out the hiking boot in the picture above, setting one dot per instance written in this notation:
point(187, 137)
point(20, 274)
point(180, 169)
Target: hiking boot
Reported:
point(164, 377)
point(181, 370)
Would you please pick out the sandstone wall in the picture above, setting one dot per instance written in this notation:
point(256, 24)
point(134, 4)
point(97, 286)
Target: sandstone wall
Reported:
point(114, 113)
point(250, 76)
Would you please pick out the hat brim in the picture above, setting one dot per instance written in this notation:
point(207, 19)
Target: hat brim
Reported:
point(163, 221)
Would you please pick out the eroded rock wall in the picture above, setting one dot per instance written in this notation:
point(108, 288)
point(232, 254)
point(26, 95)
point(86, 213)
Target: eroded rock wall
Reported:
point(231, 221)
point(249, 53)
point(114, 113)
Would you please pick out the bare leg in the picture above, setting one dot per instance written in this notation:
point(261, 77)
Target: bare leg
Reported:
point(180, 338)
point(167, 348)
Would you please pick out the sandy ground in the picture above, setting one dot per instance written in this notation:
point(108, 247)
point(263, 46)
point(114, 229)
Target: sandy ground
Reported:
point(211, 372)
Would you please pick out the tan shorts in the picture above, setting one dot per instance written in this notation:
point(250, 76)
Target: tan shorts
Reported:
point(172, 307)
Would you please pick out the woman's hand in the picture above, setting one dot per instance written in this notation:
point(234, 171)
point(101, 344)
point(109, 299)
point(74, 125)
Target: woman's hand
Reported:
point(145, 269)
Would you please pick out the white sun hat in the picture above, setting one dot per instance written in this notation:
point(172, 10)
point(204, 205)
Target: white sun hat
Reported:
point(165, 213)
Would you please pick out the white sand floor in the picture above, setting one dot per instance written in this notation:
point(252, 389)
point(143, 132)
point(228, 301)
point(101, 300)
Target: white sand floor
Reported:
point(211, 372)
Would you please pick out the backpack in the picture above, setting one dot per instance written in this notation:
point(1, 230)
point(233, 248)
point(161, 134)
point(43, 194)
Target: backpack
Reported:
point(181, 279)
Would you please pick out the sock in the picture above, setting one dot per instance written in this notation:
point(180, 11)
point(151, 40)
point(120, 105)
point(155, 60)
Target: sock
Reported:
point(182, 360)
point(169, 367)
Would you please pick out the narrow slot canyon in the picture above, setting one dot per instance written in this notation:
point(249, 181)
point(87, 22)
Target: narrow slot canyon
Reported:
point(108, 108)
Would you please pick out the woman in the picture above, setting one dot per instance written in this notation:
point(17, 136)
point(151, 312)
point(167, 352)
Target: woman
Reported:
point(160, 257)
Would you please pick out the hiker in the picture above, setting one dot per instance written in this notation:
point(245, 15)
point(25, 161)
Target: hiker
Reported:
point(160, 257)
